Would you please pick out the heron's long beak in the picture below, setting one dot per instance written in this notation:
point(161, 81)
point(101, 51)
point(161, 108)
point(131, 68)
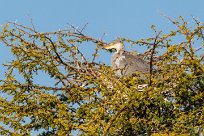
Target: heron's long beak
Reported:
point(109, 46)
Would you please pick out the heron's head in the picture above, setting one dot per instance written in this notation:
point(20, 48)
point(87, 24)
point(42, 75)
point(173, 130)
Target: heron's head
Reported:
point(118, 46)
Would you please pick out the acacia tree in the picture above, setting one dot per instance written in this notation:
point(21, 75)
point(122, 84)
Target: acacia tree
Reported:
point(88, 98)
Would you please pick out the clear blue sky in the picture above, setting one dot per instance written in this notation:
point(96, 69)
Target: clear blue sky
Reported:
point(125, 18)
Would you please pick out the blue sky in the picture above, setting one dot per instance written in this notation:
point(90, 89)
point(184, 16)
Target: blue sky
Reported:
point(130, 18)
point(124, 18)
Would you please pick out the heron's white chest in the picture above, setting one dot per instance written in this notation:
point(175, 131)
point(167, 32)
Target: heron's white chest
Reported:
point(118, 60)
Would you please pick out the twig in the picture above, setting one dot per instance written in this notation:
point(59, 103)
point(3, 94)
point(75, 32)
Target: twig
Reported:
point(31, 21)
point(151, 57)
point(169, 18)
point(102, 36)
point(84, 27)
point(79, 32)
point(94, 55)
point(57, 54)
point(198, 24)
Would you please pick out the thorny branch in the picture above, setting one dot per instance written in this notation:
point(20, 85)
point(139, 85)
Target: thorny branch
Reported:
point(152, 55)
point(90, 97)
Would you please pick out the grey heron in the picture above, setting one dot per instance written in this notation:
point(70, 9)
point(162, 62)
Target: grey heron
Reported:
point(125, 63)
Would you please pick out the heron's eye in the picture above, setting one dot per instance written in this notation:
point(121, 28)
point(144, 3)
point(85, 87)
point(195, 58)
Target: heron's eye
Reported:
point(112, 50)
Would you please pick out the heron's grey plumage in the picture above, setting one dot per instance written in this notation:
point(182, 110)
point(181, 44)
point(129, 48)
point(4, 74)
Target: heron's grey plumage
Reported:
point(126, 63)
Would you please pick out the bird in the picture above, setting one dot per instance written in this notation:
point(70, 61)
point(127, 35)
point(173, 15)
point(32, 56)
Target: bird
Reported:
point(126, 63)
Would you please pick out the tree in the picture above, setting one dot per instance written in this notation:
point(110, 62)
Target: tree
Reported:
point(88, 98)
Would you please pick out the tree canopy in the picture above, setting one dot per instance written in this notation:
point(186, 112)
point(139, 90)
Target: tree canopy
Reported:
point(86, 97)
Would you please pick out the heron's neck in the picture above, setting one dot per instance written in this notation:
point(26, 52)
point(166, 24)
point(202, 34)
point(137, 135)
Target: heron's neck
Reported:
point(119, 47)
point(120, 51)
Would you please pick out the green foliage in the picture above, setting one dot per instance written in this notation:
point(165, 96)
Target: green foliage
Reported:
point(88, 98)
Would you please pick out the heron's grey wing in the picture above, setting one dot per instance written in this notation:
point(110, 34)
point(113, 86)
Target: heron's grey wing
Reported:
point(126, 64)
point(135, 63)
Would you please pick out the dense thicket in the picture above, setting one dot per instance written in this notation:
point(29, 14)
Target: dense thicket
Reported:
point(86, 97)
